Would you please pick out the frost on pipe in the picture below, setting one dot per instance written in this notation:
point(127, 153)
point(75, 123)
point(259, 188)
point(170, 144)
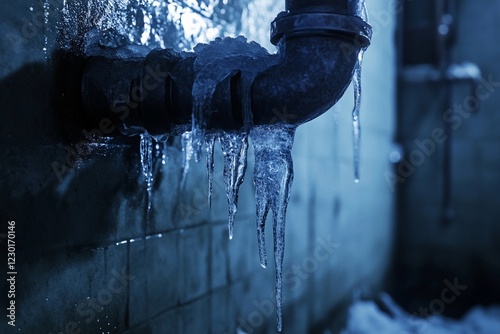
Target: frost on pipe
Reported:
point(273, 175)
point(215, 62)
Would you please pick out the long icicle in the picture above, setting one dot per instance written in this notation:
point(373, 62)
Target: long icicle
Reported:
point(273, 176)
point(356, 128)
point(362, 12)
point(279, 235)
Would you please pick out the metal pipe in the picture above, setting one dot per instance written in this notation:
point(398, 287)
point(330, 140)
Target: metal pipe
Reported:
point(318, 46)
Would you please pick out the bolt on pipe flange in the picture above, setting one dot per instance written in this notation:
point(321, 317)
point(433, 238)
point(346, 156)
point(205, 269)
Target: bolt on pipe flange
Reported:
point(320, 24)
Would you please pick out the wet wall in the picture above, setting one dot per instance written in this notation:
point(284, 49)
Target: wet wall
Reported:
point(466, 246)
point(90, 256)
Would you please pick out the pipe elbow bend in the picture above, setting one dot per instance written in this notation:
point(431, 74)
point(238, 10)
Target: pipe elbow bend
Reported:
point(318, 54)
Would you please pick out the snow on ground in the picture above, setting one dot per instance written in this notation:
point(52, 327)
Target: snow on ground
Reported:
point(365, 317)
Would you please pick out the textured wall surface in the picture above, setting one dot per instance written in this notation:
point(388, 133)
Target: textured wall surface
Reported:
point(91, 258)
point(468, 248)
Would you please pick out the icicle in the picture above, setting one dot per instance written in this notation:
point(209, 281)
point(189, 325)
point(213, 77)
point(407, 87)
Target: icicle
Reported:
point(273, 177)
point(209, 144)
point(356, 129)
point(187, 148)
point(356, 79)
point(234, 148)
point(146, 150)
point(197, 129)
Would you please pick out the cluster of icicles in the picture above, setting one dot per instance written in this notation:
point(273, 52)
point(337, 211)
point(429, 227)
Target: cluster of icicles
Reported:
point(273, 172)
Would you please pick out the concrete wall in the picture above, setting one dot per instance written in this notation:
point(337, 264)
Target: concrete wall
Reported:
point(468, 248)
point(91, 258)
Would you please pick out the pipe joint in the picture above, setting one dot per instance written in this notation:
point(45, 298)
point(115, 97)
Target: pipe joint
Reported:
point(291, 25)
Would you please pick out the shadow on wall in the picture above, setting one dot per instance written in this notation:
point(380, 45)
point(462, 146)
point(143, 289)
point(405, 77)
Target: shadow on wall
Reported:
point(70, 198)
point(42, 129)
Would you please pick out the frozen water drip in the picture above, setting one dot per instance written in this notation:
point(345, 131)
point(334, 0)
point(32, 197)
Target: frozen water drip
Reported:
point(273, 176)
point(146, 152)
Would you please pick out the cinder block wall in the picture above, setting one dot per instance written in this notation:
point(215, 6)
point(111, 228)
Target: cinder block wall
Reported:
point(91, 258)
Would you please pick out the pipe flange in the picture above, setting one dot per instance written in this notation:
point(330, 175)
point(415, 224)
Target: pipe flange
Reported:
point(321, 24)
